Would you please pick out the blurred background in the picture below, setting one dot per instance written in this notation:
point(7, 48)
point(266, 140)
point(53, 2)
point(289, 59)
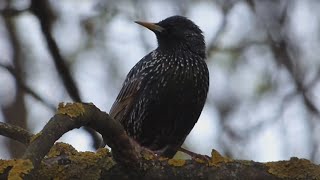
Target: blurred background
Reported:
point(263, 57)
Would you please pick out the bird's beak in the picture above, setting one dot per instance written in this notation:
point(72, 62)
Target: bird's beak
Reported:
point(152, 26)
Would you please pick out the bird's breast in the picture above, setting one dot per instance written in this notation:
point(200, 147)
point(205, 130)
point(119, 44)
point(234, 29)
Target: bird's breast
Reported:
point(177, 76)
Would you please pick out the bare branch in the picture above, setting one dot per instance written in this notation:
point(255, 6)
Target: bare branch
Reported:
point(9, 12)
point(15, 132)
point(281, 48)
point(213, 46)
point(42, 10)
point(26, 88)
point(15, 112)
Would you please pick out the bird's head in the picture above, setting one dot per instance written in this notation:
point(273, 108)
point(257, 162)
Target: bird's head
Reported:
point(177, 33)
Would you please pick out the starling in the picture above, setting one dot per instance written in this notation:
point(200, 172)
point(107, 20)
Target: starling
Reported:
point(164, 93)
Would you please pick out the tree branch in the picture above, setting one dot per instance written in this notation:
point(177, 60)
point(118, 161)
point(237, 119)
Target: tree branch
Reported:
point(42, 10)
point(281, 49)
point(25, 87)
point(15, 112)
point(15, 132)
point(10, 12)
point(63, 161)
point(77, 115)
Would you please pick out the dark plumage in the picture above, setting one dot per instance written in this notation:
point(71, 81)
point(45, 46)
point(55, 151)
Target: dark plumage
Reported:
point(164, 93)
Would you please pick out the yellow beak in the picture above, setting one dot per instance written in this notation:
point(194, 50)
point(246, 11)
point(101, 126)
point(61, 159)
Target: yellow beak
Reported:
point(151, 26)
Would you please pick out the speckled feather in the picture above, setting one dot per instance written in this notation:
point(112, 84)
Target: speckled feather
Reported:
point(164, 93)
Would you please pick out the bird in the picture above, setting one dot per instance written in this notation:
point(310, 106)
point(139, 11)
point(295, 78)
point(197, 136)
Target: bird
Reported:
point(163, 95)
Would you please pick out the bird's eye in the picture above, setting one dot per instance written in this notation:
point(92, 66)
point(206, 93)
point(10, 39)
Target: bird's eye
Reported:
point(165, 31)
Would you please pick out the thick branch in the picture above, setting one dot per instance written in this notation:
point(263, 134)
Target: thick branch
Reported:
point(75, 116)
point(65, 162)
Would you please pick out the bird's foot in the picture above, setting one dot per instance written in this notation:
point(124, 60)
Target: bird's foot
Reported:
point(148, 154)
point(195, 156)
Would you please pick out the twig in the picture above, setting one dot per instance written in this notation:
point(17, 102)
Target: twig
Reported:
point(213, 46)
point(42, 10)
point(9, 12)
point(15, 112)
point(26, 88)
point(280, 49)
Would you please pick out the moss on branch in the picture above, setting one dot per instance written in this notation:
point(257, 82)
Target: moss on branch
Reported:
point(45, 159)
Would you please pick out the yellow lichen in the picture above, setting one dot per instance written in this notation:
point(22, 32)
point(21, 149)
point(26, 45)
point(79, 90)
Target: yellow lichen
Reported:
point(176, 162)
point(61, 148)
point(71, 109)
point(4, 164)
point(103, 152)
point(52, 168)
point(90, 161)
point(20, 167)
point(295, 169)
point(217, 158)
point(105, 160)
point(89, 158)
point(245, 162)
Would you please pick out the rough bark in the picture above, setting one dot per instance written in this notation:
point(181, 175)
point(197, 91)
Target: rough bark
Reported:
point(44, 160)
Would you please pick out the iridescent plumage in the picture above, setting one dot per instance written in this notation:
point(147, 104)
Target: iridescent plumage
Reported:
point(164, 93)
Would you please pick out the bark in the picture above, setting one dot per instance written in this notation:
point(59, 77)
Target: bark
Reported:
point(44, 160)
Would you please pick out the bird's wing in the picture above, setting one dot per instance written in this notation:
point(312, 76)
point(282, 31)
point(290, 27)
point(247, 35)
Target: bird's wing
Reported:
point(125, 99)
point(129, 92)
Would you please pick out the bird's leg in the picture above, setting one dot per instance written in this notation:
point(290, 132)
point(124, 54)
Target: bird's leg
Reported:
point(144, 151)
point(148, 153)
point(195, 155)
